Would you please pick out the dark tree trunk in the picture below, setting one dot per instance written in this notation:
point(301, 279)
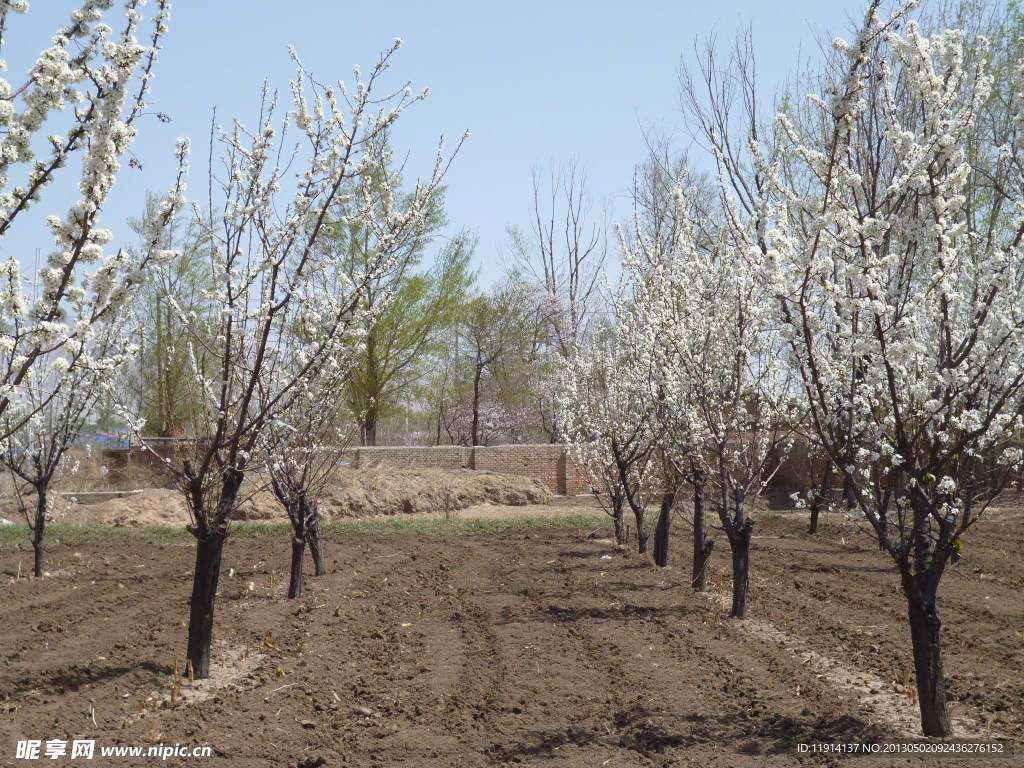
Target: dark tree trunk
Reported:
point(641, 532)
point(305, 527)
point(204, 593)
point(298, 552)
point(925, 627)
point(820, 497)
point(701, 544)
point(739, 541)
point(661, 531)
point(475, 436)
point(39, 530)
point(370, 427)
point(620, 527)
point(316, 548)
point(631, 495)
point(209, 548)
point(848, 496)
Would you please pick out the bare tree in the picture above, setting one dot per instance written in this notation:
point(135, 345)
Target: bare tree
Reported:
point(563, 254)
point(721, 107)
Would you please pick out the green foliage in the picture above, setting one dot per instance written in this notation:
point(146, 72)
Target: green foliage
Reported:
point(171, 313)
point(495, 363)
point(409, 308)
point(400, 339)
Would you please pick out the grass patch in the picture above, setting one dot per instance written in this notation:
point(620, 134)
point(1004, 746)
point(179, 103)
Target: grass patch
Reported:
point(19, 536)
point(486, 524)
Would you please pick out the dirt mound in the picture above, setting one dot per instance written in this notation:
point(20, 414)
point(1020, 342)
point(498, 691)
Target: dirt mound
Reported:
point(354, 493)
point(387, 491)
point(154, 506)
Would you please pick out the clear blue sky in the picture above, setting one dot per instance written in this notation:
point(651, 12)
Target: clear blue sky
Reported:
point(534, 82)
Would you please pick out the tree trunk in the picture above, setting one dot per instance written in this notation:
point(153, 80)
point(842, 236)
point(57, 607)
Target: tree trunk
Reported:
point(815, 510)
point(316, 548)
point(204, 593)
point(820, 496)
point(370, 427)
point(641, 532)
point(39, 530)
point(620, 527)
point(662, 530)
point(298, 552)
point(209, 548)
point(305, 528)
point(739, 541)
point(925, 627)
point(475, 436)
point(848, 496)
point(701, 544)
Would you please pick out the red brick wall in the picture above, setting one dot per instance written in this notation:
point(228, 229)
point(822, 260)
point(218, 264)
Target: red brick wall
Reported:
point(544, 462)
point(576, 481)
point(437, 457)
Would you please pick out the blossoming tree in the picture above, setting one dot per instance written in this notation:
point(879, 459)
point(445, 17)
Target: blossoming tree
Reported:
point(271, 274)
point(303, 446)
point(61, 398)
point(608, 427)
point(704, 324)
point(105, 75)
point(898, 266)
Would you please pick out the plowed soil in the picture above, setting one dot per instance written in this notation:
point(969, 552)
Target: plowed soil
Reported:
point(536, 647)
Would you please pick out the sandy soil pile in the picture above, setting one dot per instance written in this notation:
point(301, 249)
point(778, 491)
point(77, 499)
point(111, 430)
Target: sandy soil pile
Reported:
point(355, 493)
point(387, 491)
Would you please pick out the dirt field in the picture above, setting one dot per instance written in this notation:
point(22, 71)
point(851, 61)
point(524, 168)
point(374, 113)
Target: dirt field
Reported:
point(517, 647)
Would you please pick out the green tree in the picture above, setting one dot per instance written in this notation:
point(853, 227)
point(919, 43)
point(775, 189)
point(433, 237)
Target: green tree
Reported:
point(172, 300)
point(408, 307)
point(501, 333)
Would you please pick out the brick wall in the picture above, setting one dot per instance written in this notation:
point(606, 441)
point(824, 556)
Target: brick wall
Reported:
point(543, 462)
point(576, 481)
point(435, 457)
